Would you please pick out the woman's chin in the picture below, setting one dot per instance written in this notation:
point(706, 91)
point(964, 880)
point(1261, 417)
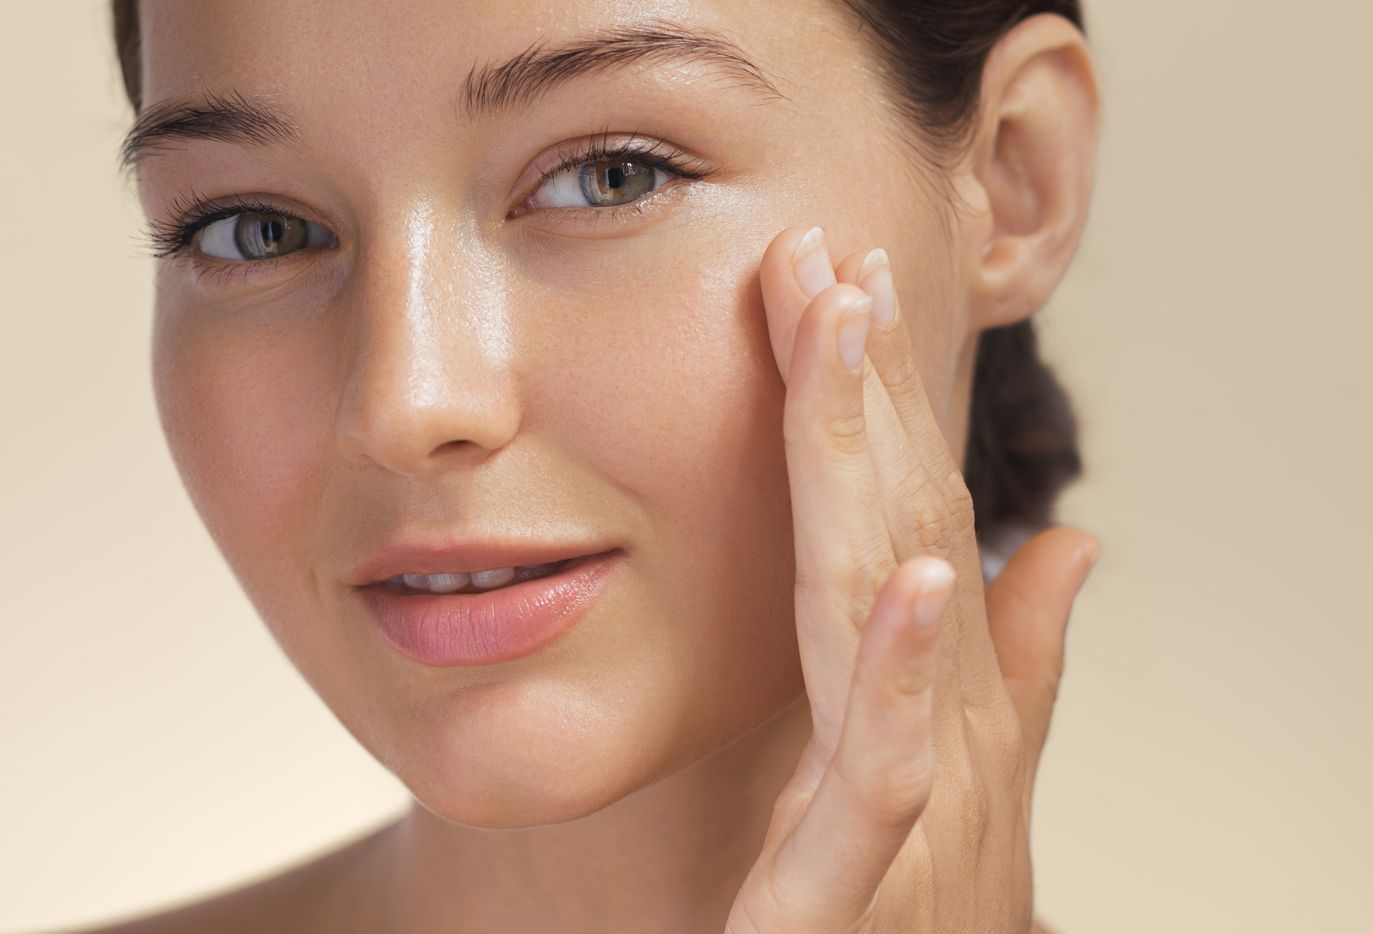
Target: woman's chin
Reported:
point(480, 802)
point(526, 763)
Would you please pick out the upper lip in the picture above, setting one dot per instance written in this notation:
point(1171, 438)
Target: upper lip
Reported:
point(440, 556)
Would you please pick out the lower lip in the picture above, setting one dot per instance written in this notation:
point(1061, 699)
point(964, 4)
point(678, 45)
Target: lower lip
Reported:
point(485, 628)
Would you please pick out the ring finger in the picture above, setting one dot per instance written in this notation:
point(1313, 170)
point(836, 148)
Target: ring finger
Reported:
point(926, 499)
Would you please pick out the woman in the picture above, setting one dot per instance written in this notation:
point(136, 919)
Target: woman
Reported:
point(460, 297)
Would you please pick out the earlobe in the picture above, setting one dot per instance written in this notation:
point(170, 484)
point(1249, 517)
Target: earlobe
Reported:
point(1027, 178)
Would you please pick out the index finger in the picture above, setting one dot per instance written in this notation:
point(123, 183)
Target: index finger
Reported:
point(785, 298)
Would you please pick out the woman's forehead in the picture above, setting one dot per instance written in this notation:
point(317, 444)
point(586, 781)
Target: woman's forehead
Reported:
point(374, 79)
point(344, 43)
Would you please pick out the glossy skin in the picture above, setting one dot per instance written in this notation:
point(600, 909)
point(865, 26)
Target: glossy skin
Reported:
point(629, 380)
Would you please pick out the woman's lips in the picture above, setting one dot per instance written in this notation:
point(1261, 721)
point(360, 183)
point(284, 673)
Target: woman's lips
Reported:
point(496, 626)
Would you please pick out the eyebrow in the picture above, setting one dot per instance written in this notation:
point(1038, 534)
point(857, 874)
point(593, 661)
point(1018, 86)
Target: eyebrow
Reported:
point(486, 92)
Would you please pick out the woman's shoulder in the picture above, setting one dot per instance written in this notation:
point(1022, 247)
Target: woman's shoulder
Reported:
point(322, 893)
point(326, 893)
point(278, 903)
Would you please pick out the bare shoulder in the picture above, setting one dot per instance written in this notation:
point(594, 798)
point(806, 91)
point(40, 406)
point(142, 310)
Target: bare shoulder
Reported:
point(328, 892)
point(1037, 927)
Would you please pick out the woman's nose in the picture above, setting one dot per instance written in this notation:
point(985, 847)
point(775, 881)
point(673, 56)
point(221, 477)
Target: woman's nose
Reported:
point(427, 379)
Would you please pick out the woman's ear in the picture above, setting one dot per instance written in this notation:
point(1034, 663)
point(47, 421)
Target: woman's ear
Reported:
point(1027, 176)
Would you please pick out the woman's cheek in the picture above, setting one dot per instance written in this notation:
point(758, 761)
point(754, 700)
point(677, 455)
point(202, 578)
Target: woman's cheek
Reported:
point(669, 369)
point(246, 419)
point(687, 422)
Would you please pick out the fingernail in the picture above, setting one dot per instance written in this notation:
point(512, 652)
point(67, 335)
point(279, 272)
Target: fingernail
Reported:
point(935, 578)
point(853, 333)
point(876, 279)
point(811, 263)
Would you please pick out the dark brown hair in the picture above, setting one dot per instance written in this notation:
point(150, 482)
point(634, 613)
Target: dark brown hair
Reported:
point(1022, 446)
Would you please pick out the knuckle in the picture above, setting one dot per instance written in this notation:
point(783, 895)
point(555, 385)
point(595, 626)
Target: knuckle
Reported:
point(865, 580)
point(960, 500)
point(861, 585)
point(790, 805)
point(937, 530)
point(850, 587)
point(824, 428)
point(944, 509)
point(847, 432)
point(904, 378)
point(892, 792)
point(841, 436)
point(913, 486)
point(998, 731)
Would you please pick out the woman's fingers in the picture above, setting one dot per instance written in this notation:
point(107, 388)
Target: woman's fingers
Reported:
point(894, 361)
point(788, 287)
point(928, 506)
point(842, 544)
point(1028, 604)
point(823, 875)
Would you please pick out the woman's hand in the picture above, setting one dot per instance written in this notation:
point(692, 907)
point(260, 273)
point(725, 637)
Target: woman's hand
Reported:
point(930, 701)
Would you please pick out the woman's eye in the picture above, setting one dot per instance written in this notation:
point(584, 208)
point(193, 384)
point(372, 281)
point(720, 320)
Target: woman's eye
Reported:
point(255, 235)
point(602, 183)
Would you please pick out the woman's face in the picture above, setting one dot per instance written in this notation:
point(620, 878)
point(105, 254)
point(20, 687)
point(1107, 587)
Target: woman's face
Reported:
point(457, 350)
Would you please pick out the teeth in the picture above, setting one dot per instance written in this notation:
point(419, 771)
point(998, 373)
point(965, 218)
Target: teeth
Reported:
point(481, 580)
point(438, 583)
point(493, 578)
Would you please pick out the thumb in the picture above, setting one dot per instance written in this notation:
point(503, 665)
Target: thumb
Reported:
point(1028, 604)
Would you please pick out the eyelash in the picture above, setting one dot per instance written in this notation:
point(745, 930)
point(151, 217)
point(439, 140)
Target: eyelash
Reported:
point(192, 212)
point(673, 162)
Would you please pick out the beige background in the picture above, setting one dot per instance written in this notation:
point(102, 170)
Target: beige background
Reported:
point(1210, 760)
